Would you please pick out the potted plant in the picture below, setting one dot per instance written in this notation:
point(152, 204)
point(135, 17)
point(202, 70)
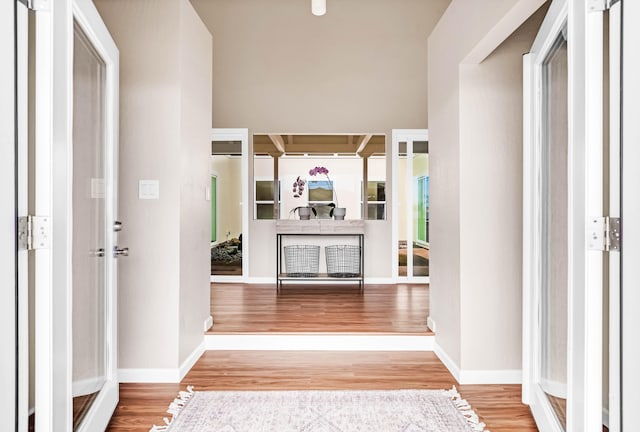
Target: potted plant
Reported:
point(304, 212)
point(336, 211)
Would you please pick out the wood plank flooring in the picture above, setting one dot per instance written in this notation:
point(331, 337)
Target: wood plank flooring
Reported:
point(142, 405)
point(242, 308)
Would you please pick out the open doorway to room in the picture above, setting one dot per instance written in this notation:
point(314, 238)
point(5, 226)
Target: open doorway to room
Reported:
point(227, 195)
point(411, 209)
point(323, 172)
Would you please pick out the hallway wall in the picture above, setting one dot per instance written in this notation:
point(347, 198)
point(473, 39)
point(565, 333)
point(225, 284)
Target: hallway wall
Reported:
point(277, 68)
point(475, 128)
point(165, 125)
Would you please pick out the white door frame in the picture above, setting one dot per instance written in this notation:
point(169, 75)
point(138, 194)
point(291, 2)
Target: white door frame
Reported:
point(54, 33)
point(612, 416)
point(8, 260)
point(53, 116)
point(630, 214)
point(214, 174)
point(584, 339)
point(398, 136)
point(242, 135)
point(87, 17)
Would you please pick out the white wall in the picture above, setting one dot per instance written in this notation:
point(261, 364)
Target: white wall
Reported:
point(164, 134)
point(277, 69)
point(377, 262)
point(475, 161)
point(195, 210)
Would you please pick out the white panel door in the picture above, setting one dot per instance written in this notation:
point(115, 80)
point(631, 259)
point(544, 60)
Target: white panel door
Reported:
point(94, 209)
point(563, 194)
point(630, 214)
point(8, 263)
point(69, 117)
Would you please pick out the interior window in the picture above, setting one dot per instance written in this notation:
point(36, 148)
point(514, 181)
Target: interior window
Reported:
point(324, 172)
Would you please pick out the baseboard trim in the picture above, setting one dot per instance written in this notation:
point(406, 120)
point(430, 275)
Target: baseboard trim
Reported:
point(208, 323)
point(447, 361)
point(299, 342)
point(431, 324)
point(188, 363)
point(260, 280)
point(466, 376)
point(499, 376)
point(380, 280)
point(159, 375)
point(272, 280)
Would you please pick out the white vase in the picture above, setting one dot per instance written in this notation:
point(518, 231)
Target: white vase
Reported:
point(339, 213)
point(304, 213)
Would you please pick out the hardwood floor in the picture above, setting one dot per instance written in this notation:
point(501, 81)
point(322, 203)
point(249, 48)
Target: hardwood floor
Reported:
point(242, 308)
point(142, 405)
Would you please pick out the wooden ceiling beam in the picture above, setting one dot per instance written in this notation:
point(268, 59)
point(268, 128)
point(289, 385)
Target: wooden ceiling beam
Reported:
point(278, 142)
point(362, 143)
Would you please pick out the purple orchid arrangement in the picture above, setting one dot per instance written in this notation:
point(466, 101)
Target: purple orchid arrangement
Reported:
point(299, 183)
point(322, 170)
point(298, 187)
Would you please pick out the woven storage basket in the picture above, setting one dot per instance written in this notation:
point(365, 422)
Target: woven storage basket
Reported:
point(302, 260)
point(343, 260)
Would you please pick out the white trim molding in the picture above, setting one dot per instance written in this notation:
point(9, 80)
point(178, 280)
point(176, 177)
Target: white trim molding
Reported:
point(431, 324)
point(265, 280)
point(447, 361)
point(191, 360)
point(497, 376)
point(479, 376)
point(162, 375)
point(319, 342)
point(157, 376)
point(208, 323)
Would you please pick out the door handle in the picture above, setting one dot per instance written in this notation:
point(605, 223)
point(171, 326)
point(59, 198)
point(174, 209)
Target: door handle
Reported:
point(117, 226)
point(98, 253)
point(117, 252)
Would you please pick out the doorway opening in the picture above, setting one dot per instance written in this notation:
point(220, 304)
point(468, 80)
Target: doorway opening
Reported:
point(411, 208)
point(228, 195)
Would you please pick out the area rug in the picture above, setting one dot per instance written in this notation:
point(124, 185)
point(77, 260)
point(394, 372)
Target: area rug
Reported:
point(321, 411)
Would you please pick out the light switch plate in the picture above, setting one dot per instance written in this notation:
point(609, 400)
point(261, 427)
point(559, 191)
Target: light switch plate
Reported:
point(149, 189)
point(97, 188)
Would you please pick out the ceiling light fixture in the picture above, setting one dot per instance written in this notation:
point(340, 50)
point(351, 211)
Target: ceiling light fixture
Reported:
point(318, 7)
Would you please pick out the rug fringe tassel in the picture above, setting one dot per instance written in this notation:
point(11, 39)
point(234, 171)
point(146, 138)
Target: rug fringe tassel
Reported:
point(465, 409)
point(174, 409)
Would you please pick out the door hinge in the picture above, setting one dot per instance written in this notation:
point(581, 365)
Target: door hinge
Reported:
point(33, 232)
point(37, 5)
point(600, 5)
point(604, 234)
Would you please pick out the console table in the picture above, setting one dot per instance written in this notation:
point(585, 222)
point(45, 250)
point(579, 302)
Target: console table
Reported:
point(322, 228)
